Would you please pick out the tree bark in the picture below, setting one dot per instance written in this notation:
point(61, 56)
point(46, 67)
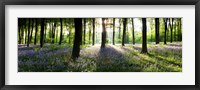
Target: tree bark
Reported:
point(175, 30)
point(124, 30)
point(42, 32)
point(103, 34)
point(165, 35)
point(133, 36)
point(93, 35)
point(89, 32)
point(36, 30)
point(171, 28)
point(157, 30)
point(119, 37)
point(28, 33)
point(32, 30)
point(113, 31)
point(19, 30)
point(84, 33)
point(60, 31)
point(180, 30)
point(77, 38)
point(144, 36)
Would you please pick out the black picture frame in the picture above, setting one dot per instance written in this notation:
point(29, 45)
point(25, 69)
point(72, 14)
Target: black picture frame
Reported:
point(3, 3)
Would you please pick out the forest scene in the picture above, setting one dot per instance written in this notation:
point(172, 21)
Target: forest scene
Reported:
point(100, 44)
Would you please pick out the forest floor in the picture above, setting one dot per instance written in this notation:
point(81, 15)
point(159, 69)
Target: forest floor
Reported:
point(112, 58)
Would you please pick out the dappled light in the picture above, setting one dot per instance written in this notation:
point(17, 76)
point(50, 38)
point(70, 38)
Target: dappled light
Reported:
point(99, 45)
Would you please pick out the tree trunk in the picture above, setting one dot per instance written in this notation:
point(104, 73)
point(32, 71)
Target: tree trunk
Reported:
point(90, 32)
point(103, 34)
point(77, 38)
point(165, 36)
point(113, 31)
point(22, 33)
point(119, 37)
point(28, 32)
point(157, 30)
point(19, 30)
point(36, 30)
point(93, 35)
point(175, 30)
point(180, 30)
point(84, 30)
point(42, 32)
point(171, 28)
point(45, 31)
point(133, 36)
point(60, 31)
point(32, 31)
point(144, 36)
point(124, 30)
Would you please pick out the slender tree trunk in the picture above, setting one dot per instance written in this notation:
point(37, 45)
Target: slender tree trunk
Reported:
point(19, 31)
point(157, 30)
point(90, 32)
point(103, 33)
point(175, 30)
point(22, 33)
point(133, 36)
point(171, 21)
point(180, 30)
point(77, 38)
point(93, 35)
point(124, 30)
point(32, 30)
point(70, 32)
point(28, 33)
point(119, 30)
point(42, 32)
point(56, 35)
point(84, 31)
point(60, 31)
point(144, 36)
point(165, 36)
point(45, 31)
point(54, 32)
point(36, 30)
point(113, 31)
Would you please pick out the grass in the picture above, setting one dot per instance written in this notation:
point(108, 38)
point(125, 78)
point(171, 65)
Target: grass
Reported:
point(56, 58)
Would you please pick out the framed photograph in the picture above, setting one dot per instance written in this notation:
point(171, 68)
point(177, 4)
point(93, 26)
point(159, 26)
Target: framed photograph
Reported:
point(101, 44)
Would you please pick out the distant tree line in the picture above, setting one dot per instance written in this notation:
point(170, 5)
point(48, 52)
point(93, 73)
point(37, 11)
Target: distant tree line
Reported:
point(82, 31)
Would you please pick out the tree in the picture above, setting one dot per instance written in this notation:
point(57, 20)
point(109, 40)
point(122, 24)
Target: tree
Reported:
point(165, 35)
point(31, 30)
point(180, 30)
point(84, 33)
point(175, 29)
point(42, 32)
point(53, 30)
point(36, 30)
point(103, 42)
point(113, 31)
point(93, 35)
point(171, 21)
point(157, 30)
point(119, 37)
point(60, 31)
point(77, 38)
point(133, 36)
point(124, 30)
point(144, 36)
point(90, 32)
point(19, 29)
point(28, 33)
